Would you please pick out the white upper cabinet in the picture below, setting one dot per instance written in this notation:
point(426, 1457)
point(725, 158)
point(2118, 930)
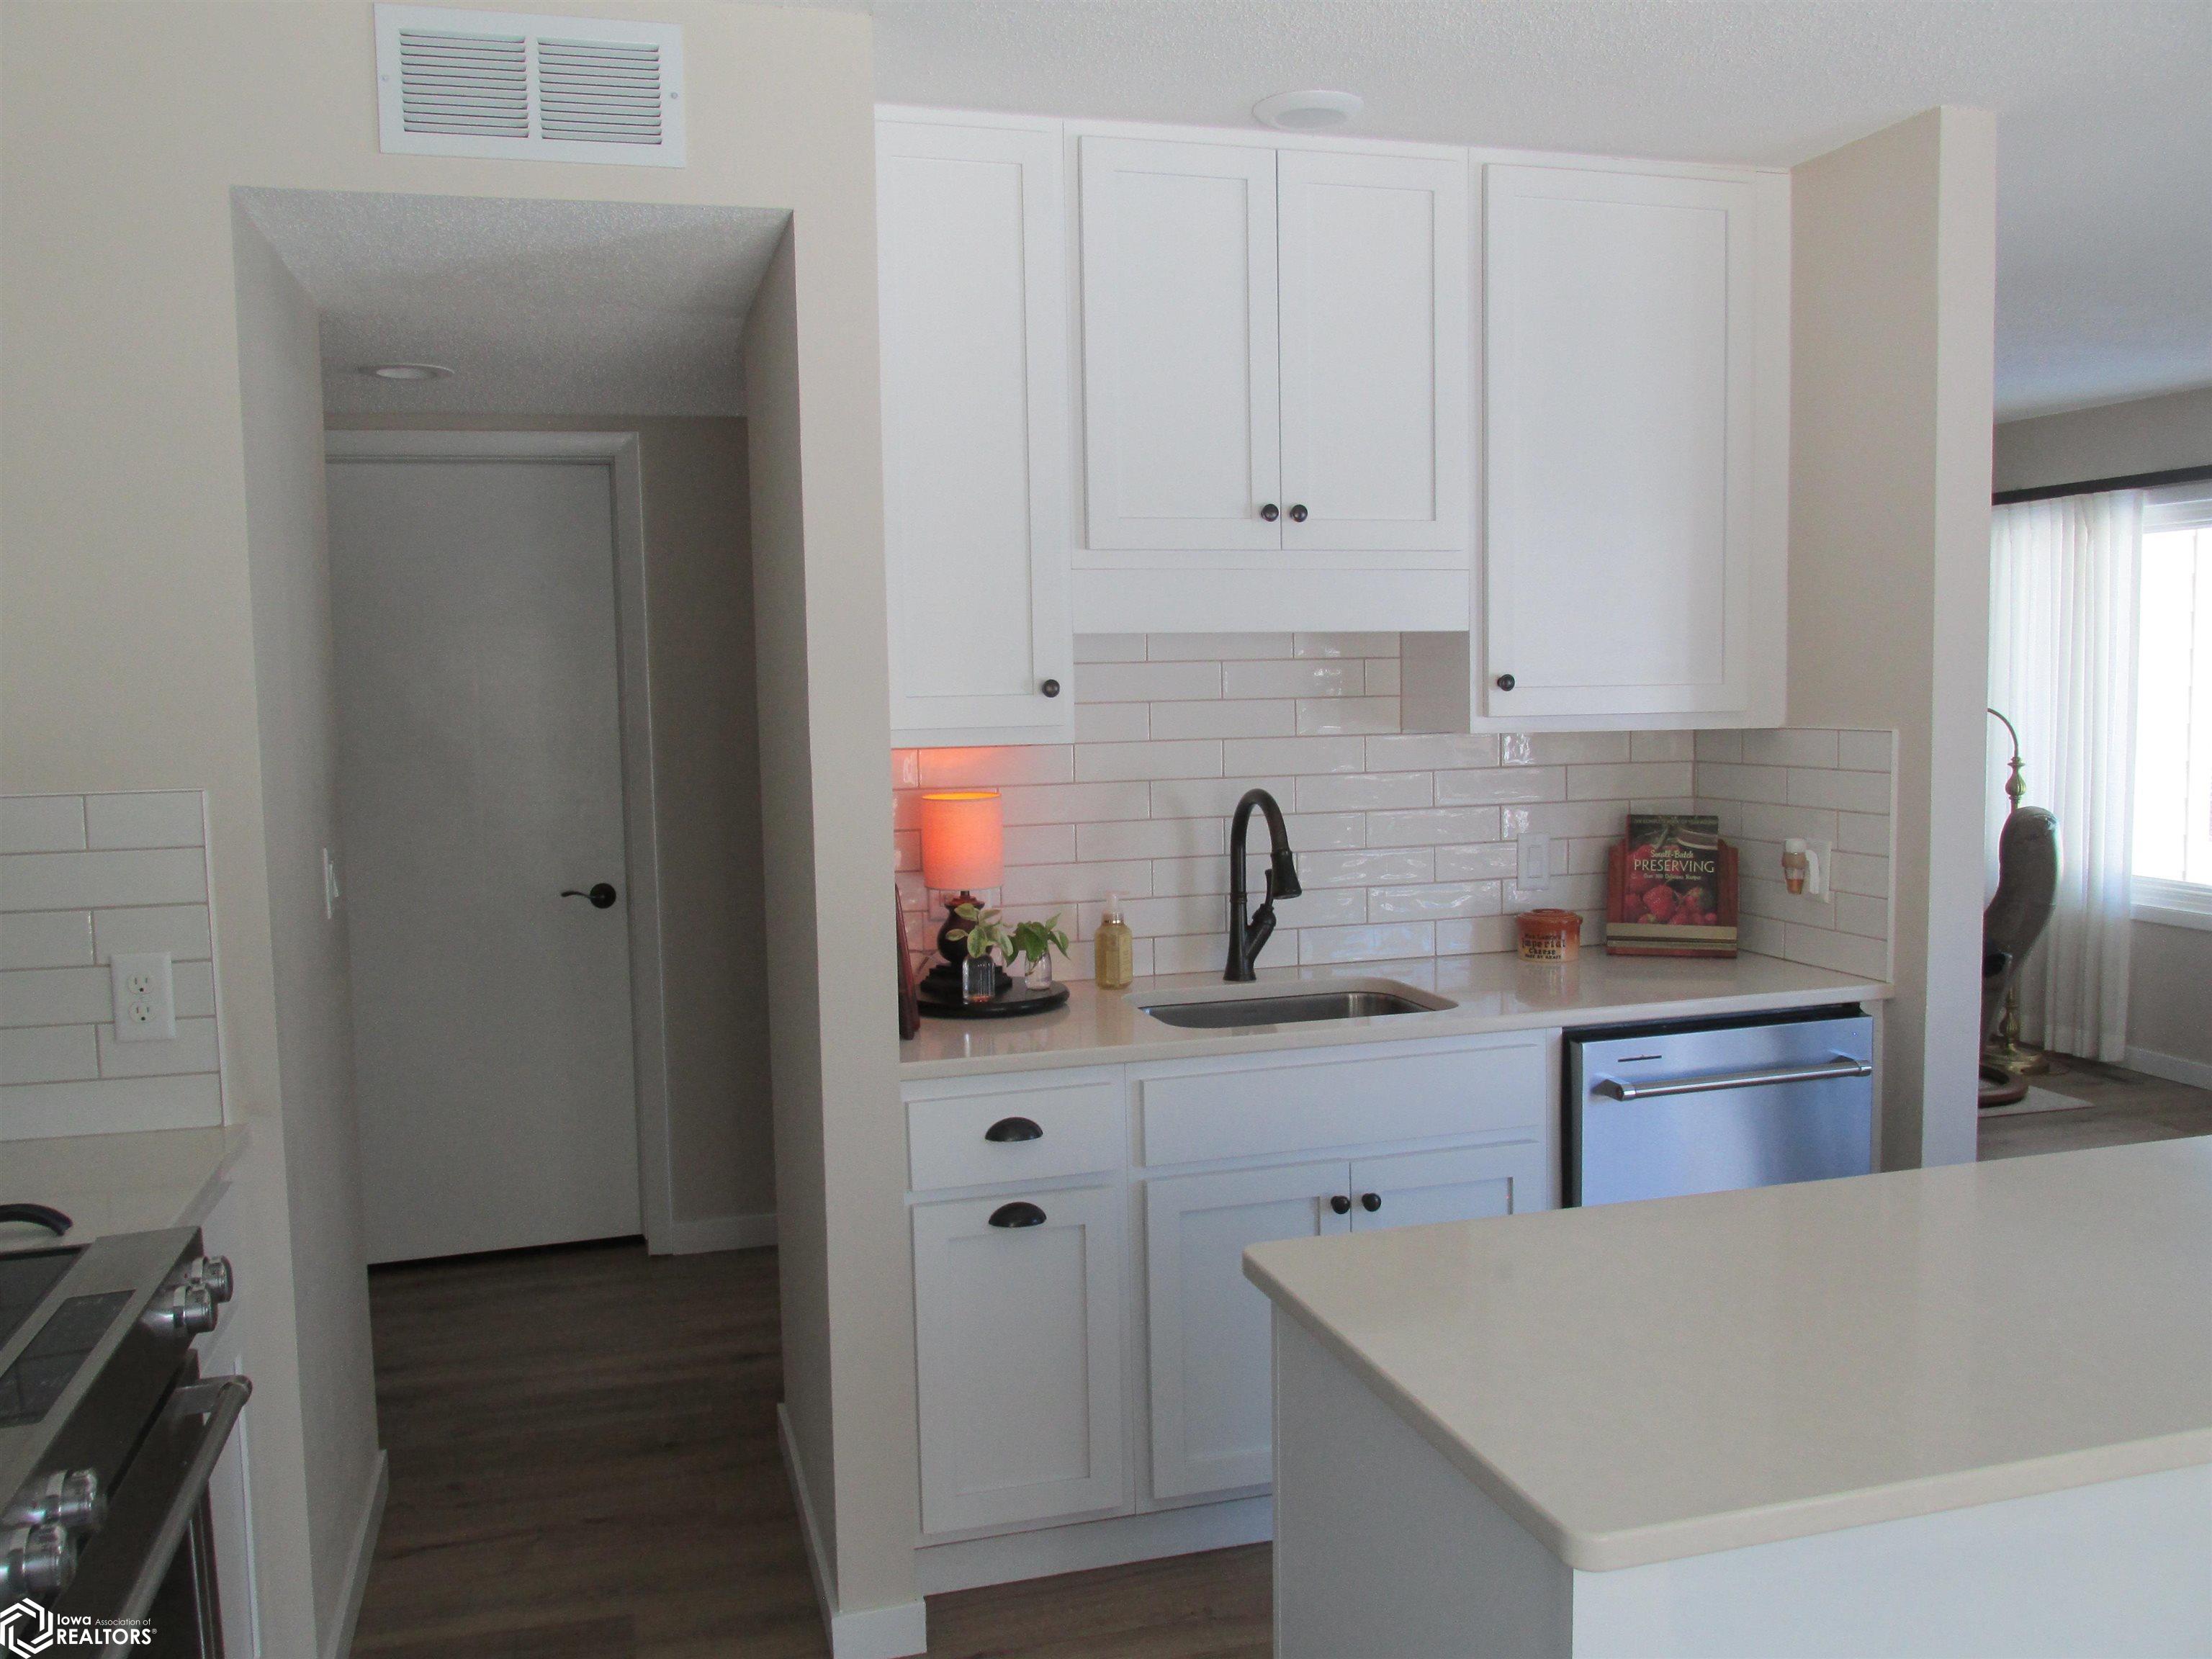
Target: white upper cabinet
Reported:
point(1636, 442)
point(972, 260)
point(1275, 358)
point(1179, 345)
point(1373, 348)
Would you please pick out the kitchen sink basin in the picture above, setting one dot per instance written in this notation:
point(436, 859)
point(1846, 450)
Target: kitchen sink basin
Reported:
point(1288, 1008)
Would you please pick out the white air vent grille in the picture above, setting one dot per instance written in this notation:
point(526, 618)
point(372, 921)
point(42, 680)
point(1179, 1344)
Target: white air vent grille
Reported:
point(500, 85)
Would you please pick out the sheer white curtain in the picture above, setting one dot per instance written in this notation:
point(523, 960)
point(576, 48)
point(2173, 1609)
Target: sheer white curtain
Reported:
point(2062, 665)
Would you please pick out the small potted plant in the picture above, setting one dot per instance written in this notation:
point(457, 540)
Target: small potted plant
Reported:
point(985, 930)
point(1034, 942)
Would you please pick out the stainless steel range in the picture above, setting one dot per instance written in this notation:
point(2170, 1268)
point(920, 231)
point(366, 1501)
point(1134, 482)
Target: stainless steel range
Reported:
point(108, 1436)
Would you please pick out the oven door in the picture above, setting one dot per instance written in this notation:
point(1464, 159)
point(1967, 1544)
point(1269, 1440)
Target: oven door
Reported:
point(151, 1560)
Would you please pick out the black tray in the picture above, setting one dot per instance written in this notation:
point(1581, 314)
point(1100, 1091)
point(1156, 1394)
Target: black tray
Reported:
point(938, 1003)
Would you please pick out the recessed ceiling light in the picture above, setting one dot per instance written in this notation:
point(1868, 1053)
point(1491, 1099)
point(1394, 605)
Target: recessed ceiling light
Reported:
point(408, 371)
point(1309, 112)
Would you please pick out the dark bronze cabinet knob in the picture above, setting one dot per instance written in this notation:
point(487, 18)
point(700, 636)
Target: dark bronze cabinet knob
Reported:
point(1340, 1203)
point(1050, 688)
point(1370, 1202)
point(1297, 516)
point(1505, 682)
point(1270, 513)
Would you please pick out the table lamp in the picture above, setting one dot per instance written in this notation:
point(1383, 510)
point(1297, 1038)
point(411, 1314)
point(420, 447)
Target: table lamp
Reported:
point(963, 851)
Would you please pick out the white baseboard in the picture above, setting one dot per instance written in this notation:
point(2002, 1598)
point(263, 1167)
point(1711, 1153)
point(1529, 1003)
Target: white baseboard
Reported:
point(893, 1632)
point(722, 1232)
point(2173, 1067)
point(970, 1562)
point(340, 1642)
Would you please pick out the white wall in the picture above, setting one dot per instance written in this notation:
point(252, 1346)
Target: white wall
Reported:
point(1894, 282)
point(706, 741)
point(2114, 441)
point(2170, 975)
point(125, 511)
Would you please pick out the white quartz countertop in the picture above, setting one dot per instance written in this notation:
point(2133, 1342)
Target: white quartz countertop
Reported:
point(1638, 1383)
point(134, 1182)
point(1496, 992)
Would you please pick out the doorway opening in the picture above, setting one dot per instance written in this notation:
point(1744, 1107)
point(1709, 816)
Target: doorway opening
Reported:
point(547, 759)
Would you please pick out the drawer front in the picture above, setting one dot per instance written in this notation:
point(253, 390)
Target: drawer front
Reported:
point(1336, 1098)
point(1076, 1117)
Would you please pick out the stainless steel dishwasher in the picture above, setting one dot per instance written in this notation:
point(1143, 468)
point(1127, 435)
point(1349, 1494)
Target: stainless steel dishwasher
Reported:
point(1705, 1105)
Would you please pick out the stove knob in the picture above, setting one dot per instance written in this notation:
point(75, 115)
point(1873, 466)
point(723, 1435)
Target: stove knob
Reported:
point(213, 1272)
point(190, 1309)
point(74, 1500)
point(36, 1561)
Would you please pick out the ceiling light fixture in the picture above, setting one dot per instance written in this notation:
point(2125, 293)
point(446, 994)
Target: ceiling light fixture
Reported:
point(408, 371)
point(1309, 112)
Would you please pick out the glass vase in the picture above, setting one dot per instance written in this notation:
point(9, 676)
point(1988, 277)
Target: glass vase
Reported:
point(979, 979)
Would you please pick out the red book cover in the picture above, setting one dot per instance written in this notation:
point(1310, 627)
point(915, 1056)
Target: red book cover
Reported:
point(1671, 888)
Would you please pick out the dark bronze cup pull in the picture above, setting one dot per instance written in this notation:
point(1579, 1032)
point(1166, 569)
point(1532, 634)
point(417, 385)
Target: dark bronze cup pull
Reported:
point(602, 895)
point(1013, 1128)
point(1019, 1213)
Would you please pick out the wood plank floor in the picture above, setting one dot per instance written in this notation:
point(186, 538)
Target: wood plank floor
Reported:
point(584, 1466)
point(584, 1462)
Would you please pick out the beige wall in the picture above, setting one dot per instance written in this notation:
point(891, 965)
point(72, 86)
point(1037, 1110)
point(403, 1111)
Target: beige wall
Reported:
point(706, 760)
point(2169, 994)
point(1893, 304)
point(2117, 440)
point(123, 510)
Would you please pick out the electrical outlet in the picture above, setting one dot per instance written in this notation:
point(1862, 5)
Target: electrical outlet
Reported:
point(145, 997)
point(1534, 870)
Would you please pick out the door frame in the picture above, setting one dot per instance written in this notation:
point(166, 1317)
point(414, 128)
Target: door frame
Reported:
point(619, 453)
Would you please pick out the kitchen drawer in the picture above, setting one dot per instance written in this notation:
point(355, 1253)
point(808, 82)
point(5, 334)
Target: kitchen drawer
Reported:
point(1077, 1114)
point(1309, 1101)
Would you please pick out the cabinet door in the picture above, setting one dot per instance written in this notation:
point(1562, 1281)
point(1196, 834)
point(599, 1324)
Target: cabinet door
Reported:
point(1374, 300)
point(1414, 1189)
point(1617, 382)
point(1017, 1339)
point(1181, 423)
point(1208, 1323)
point(971, 253)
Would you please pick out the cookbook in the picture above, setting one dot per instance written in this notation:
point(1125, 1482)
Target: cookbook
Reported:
point(1671, 888)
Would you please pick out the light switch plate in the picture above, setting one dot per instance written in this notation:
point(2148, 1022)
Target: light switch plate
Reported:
point(145, 996)
point(1534, 872)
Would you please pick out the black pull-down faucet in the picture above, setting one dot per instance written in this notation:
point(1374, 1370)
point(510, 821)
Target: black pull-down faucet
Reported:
point(1248, 937)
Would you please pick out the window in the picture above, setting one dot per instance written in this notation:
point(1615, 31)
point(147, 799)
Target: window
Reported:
point(2173, 709)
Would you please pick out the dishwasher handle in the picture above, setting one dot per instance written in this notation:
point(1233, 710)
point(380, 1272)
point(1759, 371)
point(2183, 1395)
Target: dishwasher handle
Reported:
point(1843, 1066)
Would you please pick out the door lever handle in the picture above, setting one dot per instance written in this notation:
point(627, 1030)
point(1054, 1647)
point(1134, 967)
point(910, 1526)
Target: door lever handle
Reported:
point(602, 895)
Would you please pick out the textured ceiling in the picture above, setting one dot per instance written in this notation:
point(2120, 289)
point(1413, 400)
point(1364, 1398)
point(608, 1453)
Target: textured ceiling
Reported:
point(539, 308)
point(2104, 117)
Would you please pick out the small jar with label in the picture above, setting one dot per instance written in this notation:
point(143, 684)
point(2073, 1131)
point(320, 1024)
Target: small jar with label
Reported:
point(1115, 949)
point(1550, 935)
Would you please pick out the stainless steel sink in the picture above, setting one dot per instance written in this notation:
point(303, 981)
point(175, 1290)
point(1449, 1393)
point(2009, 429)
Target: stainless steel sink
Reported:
point(1289, 1008)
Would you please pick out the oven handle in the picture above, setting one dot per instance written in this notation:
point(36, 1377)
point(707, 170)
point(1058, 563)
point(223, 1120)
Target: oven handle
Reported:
point(220, 1400)
point(1843, 1066)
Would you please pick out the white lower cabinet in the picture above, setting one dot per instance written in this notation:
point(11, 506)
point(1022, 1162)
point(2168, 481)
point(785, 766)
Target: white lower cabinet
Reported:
point(1018, 1341)
point(1471, 1184)
point(1208, 1326)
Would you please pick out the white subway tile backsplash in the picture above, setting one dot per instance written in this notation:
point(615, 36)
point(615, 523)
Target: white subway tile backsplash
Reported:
point(49, 1053)
point(1405, 840)
point(1362, 791)
point(1240, 718)
point(42, 824)
point(167, 818)
point(46, 939)
point(1334, 716)
point(84, 877)
point(1861, 872)
point(1292, 678)
point(72, 881)
point(1841, 953)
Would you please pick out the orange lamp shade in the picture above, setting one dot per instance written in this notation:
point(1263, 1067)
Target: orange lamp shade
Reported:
point(963, 840)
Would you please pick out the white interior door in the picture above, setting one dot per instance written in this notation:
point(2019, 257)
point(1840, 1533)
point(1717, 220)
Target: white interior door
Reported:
point(1619, 314)
point(1182, 425)
point(1374, 307)
point(1208, 1323)
point(480, 775)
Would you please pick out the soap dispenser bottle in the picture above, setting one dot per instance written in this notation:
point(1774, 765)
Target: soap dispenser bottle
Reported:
point(1115, 950)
